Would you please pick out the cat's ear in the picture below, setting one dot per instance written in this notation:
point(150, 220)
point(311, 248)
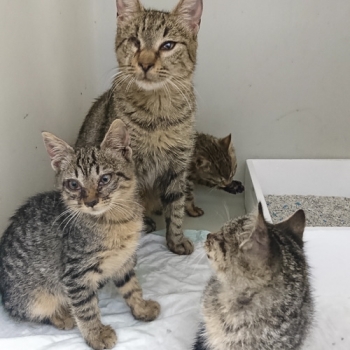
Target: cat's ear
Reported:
point(202, 163)
point(117, 138)
point(191, 12)
point(57, 149)
point(296, 224)
point(127, 8)
point(226, 141)
point(258, 245)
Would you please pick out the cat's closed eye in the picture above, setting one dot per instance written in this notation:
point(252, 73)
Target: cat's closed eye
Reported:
point(136, 42)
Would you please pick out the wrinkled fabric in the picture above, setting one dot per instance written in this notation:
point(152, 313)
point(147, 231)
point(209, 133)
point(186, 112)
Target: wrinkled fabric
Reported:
point(177, 283)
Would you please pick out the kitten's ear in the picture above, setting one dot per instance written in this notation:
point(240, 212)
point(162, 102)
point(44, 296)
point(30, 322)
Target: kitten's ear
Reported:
point(57, 149)
point(127, 8)
point(117, 138)
point(296, 223)
point(259, 242)
point(226, 141)
point(191, 12)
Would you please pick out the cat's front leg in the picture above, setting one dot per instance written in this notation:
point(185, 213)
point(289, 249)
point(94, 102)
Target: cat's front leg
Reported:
point(85, 310)
point(173, 200)
point(130, 289)
point(191, 209)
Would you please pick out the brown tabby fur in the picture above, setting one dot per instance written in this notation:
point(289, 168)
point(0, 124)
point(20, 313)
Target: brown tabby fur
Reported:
point(153, 95)
point(62, 246)
point(213, 164)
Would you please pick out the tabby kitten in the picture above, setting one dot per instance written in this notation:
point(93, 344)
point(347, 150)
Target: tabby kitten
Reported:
point(153, 94)
point(260, 297)
point(61, 246)
point(213, 164)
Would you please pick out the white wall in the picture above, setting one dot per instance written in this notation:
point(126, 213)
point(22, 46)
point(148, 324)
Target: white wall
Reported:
point(275, 73)
point(47, 82)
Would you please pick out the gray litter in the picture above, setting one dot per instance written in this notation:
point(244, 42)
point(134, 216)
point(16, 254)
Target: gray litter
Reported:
point(319, 210)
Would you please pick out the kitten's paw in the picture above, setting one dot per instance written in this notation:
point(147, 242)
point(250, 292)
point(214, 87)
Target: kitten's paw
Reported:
point(184, 247)
point(234, 187)
point(149, 225)
point(104, 339)
point(146, 311)
point(63, 320)
point(194, 211)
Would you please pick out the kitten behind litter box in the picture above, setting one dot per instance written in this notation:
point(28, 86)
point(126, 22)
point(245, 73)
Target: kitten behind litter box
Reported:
point(213, 164)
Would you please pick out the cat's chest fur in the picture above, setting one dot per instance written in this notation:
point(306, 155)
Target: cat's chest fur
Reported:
point(118, 245)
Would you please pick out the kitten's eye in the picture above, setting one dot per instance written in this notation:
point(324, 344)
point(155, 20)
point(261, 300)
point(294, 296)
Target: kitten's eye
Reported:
point(73, 185)
point(105, 179)
point(136, 42)
point(167, 46)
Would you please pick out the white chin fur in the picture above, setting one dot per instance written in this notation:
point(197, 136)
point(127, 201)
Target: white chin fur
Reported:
point(146, 85)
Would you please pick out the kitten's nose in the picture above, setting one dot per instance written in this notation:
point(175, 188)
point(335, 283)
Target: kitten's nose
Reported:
point(92, 203)
point(146, 66)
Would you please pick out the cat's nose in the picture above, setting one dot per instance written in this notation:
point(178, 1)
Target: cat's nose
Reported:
point(146, 66)
point(92, 203)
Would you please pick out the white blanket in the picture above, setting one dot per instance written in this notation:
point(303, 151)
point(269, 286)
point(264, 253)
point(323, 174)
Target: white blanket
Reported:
point(177, 282)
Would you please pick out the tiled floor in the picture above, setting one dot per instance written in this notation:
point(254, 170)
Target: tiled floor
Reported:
point(219, 206)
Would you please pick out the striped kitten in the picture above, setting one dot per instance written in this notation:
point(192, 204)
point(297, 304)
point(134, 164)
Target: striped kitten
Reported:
point(260, 296)
point(213, 164)
point(153, 94)
point(62, 246)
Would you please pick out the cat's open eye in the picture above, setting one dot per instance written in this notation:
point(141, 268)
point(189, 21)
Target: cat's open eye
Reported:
point(105, 179)
point(73, 185)
point(167, 46)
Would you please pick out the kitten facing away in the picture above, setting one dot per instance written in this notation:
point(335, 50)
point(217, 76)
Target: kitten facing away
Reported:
point(62, 246)
point(259, 297)
point(153, 94)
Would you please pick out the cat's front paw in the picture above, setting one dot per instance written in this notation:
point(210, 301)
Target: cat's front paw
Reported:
point(234, 187)
point(194, 211)
point(149, 225)
point(104, 339)
point(147, 311)
point(183, 247)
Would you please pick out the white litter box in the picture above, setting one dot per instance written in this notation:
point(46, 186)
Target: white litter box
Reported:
point(316, 177)
point(326, 247)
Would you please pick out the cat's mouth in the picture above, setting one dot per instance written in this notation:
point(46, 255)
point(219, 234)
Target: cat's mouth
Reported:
point(147, 84)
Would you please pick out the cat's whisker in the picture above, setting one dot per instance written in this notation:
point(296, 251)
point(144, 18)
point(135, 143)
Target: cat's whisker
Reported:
point(227, 211)
point(183, 95)
point(72, 217)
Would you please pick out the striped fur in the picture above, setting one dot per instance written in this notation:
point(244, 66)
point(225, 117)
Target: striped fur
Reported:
point(260, 296)
point(153, 94)
point(62, 246)
point(213, 164)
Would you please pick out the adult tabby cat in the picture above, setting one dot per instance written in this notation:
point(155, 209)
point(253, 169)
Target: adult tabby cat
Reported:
point(260, 297)
point(61, 246)
point(153, 95)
